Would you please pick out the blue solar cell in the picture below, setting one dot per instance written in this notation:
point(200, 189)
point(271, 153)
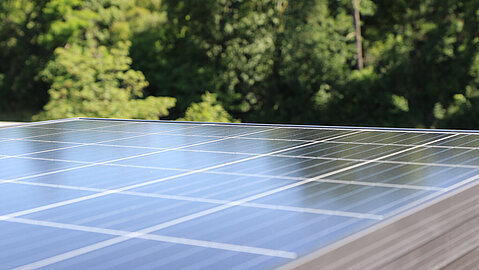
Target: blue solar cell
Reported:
point(120, 212)
point(398, 137)
point(32, 242)
point(469, 140)
point(248, 146)
point(289, 134)
point(77, 125)
point(347, 151)
point(101, 176)
point(14, 148)
point(169, 141)
point(15, 168)
point(183, 159)
point(142, 127)
point(220, 130)
point(267, 228)
point(85, 136)
point(407, 174)
point(141, 254)
point(347, 198)
point(14, 197)
point(26, 132)
point(286, 166)
point(215, 186)
point(93, 153)
point(441, 156)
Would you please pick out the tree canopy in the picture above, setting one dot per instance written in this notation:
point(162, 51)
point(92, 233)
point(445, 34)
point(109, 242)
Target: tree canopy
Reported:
point(276, 61)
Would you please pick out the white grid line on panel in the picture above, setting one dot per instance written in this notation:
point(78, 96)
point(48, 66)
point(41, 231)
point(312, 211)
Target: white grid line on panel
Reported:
point(464, 182)
point(50, 206)
point(388, 161)
point(286, 155)
point(64, 131)
point(344, 159)
point(56, 133)
point(213, 201)
point(100, 130)
point(30, 124)
point(428, 155)
point(325, 180)
point(357, 203)
point(172, 131)
point(123, 238)
point(432, 196)
point(378, 134)
point(89, 164)
point(169, 132)
point(67, 147)
point(77, 145)
point(286, 126)
point(193, 124)
point(170, 223)
point(379, 158)
point(154, 237)
point(419, 132)
point(245, 153)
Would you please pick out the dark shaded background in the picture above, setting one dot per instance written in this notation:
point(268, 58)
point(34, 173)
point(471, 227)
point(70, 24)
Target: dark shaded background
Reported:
point(272, 61)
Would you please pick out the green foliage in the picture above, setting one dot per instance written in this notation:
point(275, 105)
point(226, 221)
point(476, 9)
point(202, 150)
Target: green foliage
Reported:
point(21, 56)
point(263, 61)
point(427, 55)
point(98, 82)
point(313, 53)
point(400, 102)
point(463, 112)
point(208, 110)
point(87, 22)
point(363, 100)
point(171, 61)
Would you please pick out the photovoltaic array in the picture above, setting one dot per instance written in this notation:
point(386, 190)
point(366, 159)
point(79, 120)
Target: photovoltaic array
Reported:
point(97, 193)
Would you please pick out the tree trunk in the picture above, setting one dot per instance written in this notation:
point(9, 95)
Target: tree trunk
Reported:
point(357, 25)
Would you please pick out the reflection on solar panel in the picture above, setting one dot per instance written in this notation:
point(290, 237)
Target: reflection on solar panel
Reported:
point(93, 193)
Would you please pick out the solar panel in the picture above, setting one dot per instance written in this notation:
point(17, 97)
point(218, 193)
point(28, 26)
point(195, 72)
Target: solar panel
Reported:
point(98, 193)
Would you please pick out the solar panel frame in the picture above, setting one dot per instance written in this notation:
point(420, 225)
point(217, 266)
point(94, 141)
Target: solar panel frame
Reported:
point(314, 258)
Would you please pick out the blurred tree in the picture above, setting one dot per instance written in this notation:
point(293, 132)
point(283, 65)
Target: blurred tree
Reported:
point(91, 75)
point(264, 61)
point(98, 82)
point(86, 22)
point(208, 110)
point(463, 111)
point(313, 55)
point(22, 56)
point(164, 49)
point(425, 53)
